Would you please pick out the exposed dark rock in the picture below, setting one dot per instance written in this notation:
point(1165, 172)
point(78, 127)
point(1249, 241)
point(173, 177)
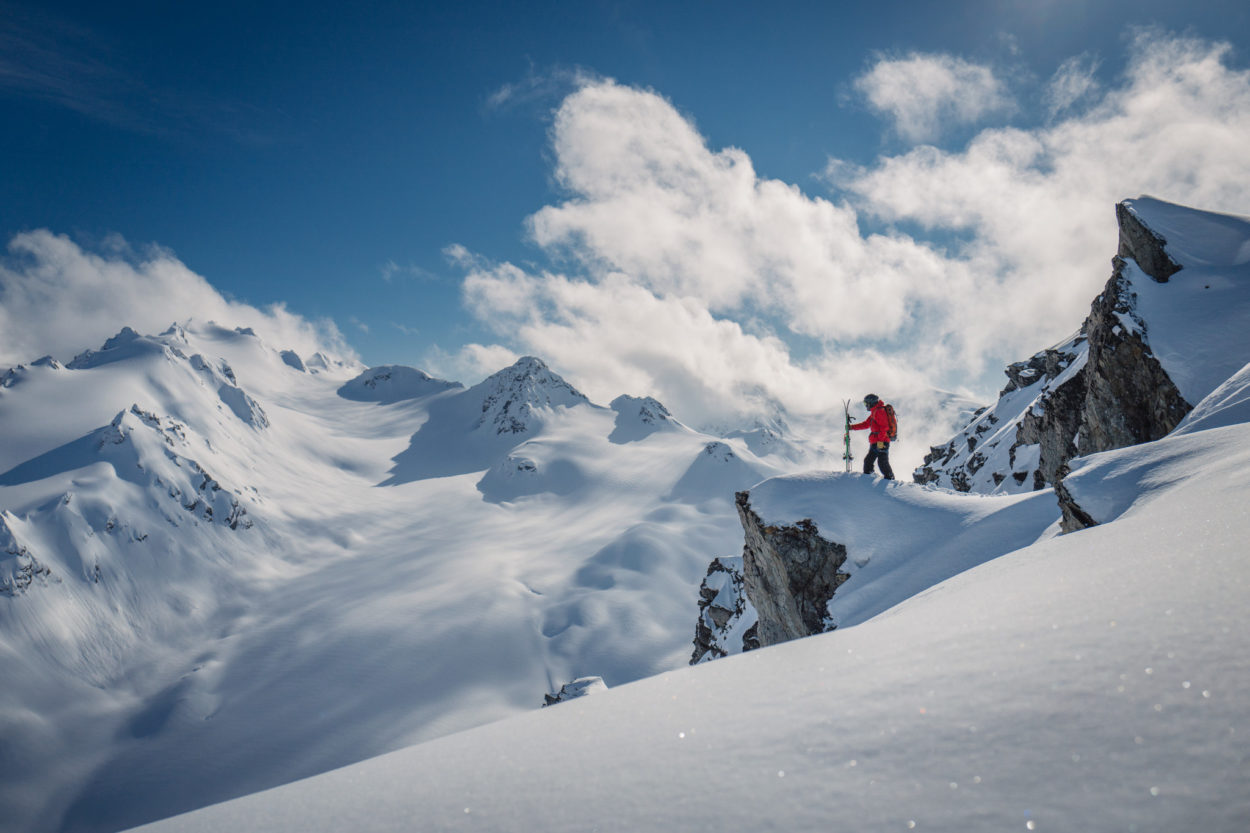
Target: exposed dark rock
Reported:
point(790, 573)
point(1074, 517)
point(723, 610)
point(1052, 424)
point(1144, 245)
point(1129, 398)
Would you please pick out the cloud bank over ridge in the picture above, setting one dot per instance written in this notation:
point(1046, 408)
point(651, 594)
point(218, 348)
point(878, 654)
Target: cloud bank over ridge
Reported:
point(58, 299)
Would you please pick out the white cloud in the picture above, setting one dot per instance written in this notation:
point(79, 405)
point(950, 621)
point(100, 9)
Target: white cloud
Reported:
point(57, 299)
point(1074, 80)
point(650, 199)
point(1036, 206)
point(924, 94)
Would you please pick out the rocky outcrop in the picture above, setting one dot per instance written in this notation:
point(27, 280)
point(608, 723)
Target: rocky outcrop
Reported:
point(727, 619)
point(1099, 390)
point(1129, 397)
point(19, 569)
point(1073, 516)
point(789, 575)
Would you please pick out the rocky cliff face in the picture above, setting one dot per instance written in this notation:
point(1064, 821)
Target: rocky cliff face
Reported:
point(1101, 389)
point(784, 581)
point(789, 573)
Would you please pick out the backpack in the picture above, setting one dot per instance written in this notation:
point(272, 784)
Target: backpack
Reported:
point(889, 413)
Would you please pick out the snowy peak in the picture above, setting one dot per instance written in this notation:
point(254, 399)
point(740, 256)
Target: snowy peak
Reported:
point(511, 397)
point(639, 417)
point(127, 344)
point(393, 383)
point(153, 452)
point(718, 470)
point(475, 429)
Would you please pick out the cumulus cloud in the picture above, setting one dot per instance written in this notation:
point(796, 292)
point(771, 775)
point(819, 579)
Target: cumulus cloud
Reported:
point(677, 271)
point(923, 94)
point(58, 299)
point(1035, 206)
point(651, 200)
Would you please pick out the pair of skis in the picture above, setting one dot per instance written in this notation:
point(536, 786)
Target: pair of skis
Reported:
point(846, 435)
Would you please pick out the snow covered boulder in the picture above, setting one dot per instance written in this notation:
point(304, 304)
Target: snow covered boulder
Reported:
point(581, 687)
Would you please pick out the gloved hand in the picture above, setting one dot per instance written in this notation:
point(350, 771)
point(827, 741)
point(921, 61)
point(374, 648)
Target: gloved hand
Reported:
point(881, 446)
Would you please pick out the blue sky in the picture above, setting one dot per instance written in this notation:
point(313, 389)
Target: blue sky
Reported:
point(378, 166)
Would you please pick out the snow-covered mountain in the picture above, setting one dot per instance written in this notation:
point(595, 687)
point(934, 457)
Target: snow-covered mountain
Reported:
point(986, 671)
point(228, 567)
point(225, 566)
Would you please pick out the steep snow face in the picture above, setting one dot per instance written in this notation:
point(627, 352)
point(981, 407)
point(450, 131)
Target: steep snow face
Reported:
point(1089, 681)
point(219, 573)
point(1229, 404)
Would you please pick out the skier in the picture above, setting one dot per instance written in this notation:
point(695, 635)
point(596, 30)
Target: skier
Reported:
point(878, 437)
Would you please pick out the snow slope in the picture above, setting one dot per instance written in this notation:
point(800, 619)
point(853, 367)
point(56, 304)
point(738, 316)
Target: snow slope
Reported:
point(224, 566)
point(1093, 681)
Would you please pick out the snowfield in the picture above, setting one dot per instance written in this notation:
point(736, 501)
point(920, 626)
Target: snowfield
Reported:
point(224, 566)
point(1094, 681)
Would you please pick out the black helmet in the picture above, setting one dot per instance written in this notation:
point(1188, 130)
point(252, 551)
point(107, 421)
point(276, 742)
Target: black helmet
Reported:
point(870, 400)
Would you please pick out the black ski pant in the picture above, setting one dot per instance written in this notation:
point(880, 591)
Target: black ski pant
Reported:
point(879, 453)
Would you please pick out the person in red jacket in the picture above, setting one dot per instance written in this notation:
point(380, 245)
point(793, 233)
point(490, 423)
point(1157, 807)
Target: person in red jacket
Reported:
point(878, 425)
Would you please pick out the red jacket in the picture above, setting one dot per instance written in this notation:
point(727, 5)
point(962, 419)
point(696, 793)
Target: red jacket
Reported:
point(878, 422)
